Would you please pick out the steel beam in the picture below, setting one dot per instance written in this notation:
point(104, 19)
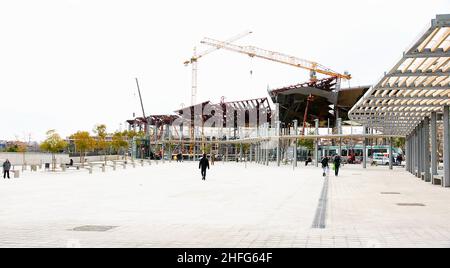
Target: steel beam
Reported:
point(435, 54)
point(418, 73)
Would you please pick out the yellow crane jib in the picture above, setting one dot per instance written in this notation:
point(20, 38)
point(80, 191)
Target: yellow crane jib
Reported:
point(252, 51)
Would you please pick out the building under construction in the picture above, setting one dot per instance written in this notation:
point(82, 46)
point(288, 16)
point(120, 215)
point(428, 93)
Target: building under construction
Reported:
point(317, 99)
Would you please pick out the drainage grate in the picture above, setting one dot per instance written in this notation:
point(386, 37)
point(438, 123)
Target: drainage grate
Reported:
point(321, 212)
point(93, 228)
point(411, 204)
point(389, 193)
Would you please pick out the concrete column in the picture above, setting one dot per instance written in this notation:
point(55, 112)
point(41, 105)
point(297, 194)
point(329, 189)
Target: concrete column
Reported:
point(316, 143)
point(295, 144)
point(195, 145)
point(364, 161)
point(416, 150)
point(339, 129)
point(156, 140)
point(390, 154)
point(446, 147)
point(434, 150)
point(422, 149)
point(407, 153)
point(278, 143)
point(263, 154)
point(258, 153)
point(418, 140)
point(240, 152)
point(169, 129)
point(426, 144)
point(251, 153)
point(267, 144)
point(226, 152)
point(411, 152)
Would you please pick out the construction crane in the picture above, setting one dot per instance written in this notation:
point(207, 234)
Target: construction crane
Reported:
point(252, 51)
point(309, 100)
point(140, 98)
point(313, 67)
point(194, 63)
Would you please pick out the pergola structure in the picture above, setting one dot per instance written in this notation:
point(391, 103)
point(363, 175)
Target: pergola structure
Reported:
point(412, 99)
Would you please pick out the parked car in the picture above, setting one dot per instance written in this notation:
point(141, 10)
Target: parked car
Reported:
point(382, 159)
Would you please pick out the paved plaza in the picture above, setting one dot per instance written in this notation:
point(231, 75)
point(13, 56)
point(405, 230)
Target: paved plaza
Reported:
point(239, 205)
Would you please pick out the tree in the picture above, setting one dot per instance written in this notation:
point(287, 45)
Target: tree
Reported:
point(131, 135)
point(306, 143)
point(400, 143)
point(83, 143)
point(22, 148)
point(101, 143)
point(53, 144)
point(119, 141)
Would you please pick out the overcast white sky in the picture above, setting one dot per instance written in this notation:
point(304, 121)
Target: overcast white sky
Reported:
point(70, 64)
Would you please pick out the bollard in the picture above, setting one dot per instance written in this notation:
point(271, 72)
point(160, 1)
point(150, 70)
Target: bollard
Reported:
point(114, 167)
point(103, 168)
point(63, 167)
point(16, 174)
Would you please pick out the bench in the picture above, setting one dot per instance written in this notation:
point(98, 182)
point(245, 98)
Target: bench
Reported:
point(102, 166)
point(16, 173)
point(438, 180)
point(114, 166)
point(121, 162)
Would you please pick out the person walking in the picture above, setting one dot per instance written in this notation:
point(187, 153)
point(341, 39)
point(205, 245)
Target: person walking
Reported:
point(325, 165)
point(399, 159)
point(337, 164)
point(203, 164)
point(6, 168)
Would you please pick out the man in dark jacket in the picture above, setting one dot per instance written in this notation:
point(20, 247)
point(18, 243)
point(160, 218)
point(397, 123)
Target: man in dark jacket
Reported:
point(399, 159)
point(204, 163)
point(337, 165)
point(325, 165)
point(6, 168)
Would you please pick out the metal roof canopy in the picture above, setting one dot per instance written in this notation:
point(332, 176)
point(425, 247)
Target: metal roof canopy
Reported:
point(416, 86)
